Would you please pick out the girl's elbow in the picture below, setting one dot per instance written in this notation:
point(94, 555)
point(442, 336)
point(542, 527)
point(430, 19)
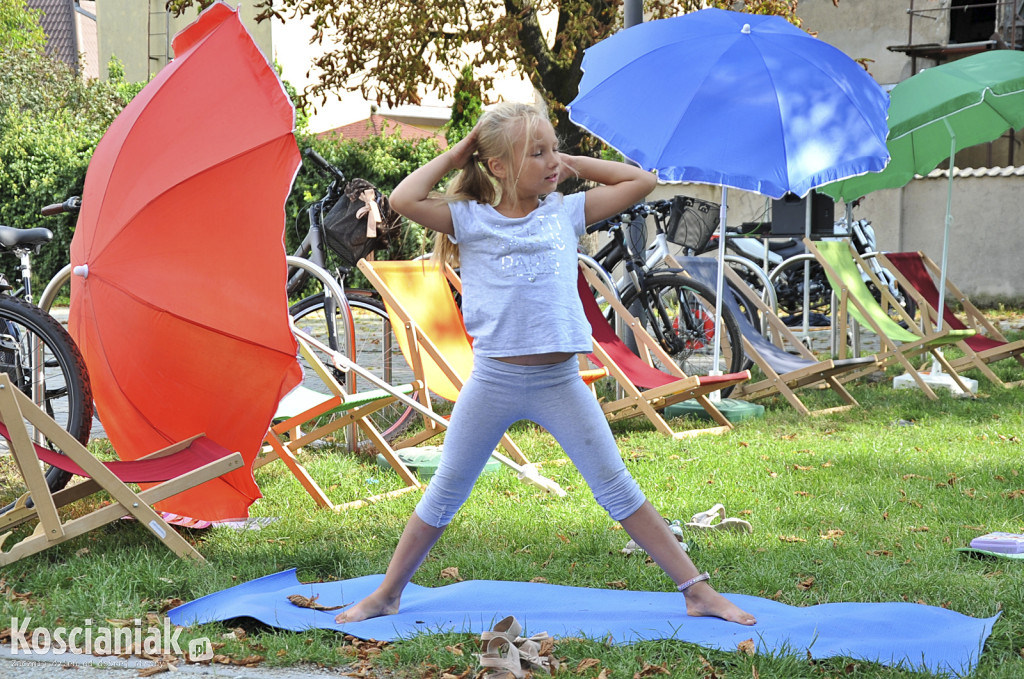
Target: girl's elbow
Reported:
point(645, 183)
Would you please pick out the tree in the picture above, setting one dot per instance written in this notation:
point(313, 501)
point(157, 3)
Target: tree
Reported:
point(19, 26)
point(398, 50)
point(50, 122)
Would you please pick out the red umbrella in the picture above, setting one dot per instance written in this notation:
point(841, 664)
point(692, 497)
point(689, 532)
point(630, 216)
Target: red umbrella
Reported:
point(178, 303)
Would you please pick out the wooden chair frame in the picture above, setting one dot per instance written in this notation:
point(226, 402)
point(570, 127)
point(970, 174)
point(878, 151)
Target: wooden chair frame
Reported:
point(38, 503)
point(979, 358)
point(852, 291)
point(816, 372)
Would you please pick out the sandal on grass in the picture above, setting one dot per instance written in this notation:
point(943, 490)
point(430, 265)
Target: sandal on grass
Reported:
point(507, 628)
point(706, 521)
point(501, 654)
point(535, 653)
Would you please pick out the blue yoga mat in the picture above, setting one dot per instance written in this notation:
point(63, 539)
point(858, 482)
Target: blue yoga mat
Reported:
point(912, 635)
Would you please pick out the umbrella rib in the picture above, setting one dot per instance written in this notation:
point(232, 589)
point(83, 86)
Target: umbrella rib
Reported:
point(128, 220)
point(103, 351)
point(980, 101)
point(212, 329)
point(171, 70)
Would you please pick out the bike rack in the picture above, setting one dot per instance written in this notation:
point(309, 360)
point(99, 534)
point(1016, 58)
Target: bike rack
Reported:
point(769, 297)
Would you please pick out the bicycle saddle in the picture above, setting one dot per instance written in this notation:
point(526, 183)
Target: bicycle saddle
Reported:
point(11, 237)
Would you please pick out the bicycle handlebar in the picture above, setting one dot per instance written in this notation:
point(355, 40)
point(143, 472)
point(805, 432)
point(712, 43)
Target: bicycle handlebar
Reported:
point(325, 166)
point(639, 210)
point(72, 204)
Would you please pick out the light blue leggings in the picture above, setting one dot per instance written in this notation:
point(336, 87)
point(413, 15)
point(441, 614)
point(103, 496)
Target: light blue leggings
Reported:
point(498, 394)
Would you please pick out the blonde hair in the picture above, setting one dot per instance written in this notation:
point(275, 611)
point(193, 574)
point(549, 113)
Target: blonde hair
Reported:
point(498, 130)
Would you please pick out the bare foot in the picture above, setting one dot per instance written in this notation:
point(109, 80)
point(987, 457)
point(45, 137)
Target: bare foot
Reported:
point(703, 601)
point(373, 606)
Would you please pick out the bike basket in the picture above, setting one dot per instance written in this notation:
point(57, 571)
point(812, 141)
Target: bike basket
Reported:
point(691, 222)
point(348, 229)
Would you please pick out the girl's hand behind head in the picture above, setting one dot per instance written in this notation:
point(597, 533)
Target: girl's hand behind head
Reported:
point(568, 168)
point(462, 152)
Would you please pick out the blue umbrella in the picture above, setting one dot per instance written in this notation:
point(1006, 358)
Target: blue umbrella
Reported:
point(736, 100)
point(739, 100)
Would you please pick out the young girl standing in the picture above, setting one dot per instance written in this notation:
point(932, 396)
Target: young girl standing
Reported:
point(517, 243)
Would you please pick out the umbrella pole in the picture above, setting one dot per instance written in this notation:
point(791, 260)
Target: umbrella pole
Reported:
point(719, 290)
point(940, 312)
point(807, 271)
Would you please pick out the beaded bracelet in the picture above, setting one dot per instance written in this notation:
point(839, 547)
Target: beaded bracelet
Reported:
point(693, 581)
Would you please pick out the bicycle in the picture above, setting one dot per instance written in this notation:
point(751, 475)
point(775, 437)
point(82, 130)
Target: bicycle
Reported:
point(37, 352)
point(676, 310)
point(358, 323)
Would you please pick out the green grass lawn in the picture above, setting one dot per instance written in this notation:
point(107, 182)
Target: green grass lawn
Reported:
point(866, 505)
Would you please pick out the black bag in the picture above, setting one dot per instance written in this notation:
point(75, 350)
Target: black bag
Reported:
point(346, 230)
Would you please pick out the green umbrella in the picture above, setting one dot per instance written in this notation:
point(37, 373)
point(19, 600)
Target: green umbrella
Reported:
point(937, 112)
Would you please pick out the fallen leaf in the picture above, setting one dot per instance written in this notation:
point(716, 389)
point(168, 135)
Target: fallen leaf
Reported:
point(586, 664)
point(791, 538)
point(806, 583)
point(748, 646)
point(538, 579)
point(168, 604)
point(833, 534)
point(310, 602)
point(919, 529)
point(617, 584)
point(158, 668)
point(1014, 494)
point(801, 468)
point(451, 573)
point(454, 650)
point(650, 670)
point(801, 493)
point(879, 552)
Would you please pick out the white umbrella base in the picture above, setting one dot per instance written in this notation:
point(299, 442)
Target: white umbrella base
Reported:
point(935, 381)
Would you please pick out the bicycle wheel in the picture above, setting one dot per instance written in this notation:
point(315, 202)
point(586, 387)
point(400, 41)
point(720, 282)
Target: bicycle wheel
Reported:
point(680, 313)
point(376, 350)
point(43, 361)
point(789, 287)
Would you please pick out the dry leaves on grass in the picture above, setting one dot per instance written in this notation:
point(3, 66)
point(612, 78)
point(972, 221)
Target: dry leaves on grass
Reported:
point(748, 646)
point(791, 538)
point(832, 534)
point(649, 670)
point(806, 583)
point(586, 665)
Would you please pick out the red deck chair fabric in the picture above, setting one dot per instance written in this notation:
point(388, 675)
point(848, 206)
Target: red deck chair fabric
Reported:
point(647, 387)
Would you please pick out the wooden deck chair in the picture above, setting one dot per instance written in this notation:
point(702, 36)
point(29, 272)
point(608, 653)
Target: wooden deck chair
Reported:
point(286, 436)
point(647, 388)
point(843, 269)
point(786, 363)
point(915, 272)
point(430, 332)
point(175, 469)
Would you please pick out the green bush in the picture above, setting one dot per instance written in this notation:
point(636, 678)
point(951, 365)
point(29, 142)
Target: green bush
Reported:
point(50, 123)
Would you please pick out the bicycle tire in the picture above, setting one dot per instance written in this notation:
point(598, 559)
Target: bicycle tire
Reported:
point(789, 287)
point(66, 395)
point(687, 332)
point(377, 350)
